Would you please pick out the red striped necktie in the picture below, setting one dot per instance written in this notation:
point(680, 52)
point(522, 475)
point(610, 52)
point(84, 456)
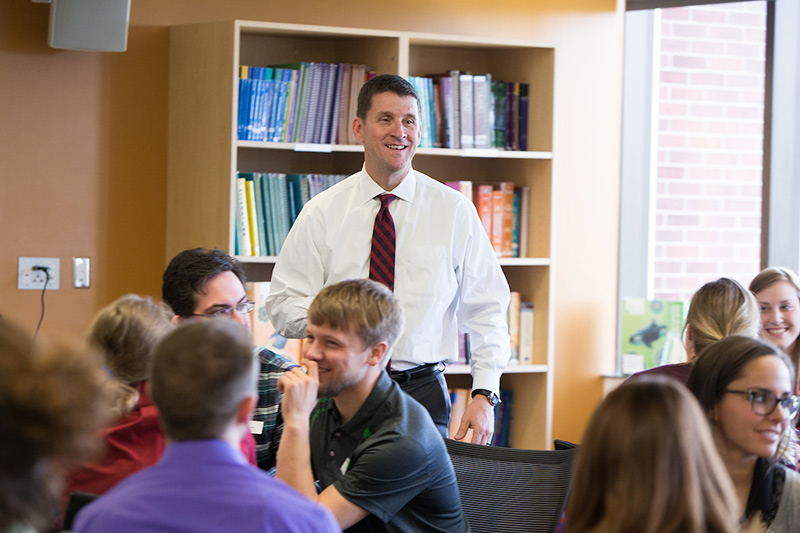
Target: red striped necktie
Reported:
point(381, 258)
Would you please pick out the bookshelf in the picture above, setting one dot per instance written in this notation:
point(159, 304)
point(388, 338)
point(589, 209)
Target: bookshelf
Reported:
point(204, 156)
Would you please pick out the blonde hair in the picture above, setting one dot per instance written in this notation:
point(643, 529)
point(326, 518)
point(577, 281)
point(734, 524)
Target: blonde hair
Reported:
point(53, 400)
point(648, 464)
point(366, 306)
point(770, 276)
point(127, 331)
point(720, 309)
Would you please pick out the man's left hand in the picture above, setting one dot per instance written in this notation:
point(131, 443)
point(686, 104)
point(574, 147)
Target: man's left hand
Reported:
point(478, 416)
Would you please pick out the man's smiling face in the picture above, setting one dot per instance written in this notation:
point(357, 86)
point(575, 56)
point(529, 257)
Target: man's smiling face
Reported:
point(390, 134)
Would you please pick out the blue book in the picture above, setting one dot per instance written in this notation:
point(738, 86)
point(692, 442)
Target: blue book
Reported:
point(285, 216)
point(268, 239)
point(244, 108)
point(329, 103)
point(313, 106)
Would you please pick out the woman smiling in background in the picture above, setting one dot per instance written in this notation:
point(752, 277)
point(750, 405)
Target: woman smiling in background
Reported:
point(777, 291)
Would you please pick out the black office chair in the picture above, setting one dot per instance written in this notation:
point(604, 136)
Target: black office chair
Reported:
point(505, 490)
point(559, 444)
point(77, 501)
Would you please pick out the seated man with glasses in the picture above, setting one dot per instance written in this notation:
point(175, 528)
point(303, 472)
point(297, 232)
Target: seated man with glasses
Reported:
point(201, 283)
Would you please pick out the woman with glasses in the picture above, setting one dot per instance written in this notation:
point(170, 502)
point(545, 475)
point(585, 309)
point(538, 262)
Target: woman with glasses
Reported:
point(745, 386)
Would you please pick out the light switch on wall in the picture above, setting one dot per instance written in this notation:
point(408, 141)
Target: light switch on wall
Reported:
point(81, 272)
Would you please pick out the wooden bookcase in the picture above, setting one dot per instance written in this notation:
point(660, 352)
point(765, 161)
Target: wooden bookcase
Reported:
point(204, 155)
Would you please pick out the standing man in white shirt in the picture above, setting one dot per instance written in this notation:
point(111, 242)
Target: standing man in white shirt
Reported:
point(446, 275)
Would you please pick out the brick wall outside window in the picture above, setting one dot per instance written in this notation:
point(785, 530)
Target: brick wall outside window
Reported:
point(710, 144)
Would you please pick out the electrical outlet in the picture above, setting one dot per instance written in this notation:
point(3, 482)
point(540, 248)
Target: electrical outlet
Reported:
point(31, 278)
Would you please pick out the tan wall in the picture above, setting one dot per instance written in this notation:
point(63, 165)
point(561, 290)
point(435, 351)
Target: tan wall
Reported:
point(83, 156)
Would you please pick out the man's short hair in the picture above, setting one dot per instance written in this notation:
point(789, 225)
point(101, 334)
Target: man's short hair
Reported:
point(383, 83)
point(201, 372)
point(188, 274)
point(366, 307)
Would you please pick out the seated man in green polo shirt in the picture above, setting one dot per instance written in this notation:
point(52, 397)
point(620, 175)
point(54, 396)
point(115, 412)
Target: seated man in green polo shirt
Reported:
point(380, 462)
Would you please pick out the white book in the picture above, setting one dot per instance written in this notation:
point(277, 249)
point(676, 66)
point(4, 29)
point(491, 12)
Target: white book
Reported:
point(526, 333)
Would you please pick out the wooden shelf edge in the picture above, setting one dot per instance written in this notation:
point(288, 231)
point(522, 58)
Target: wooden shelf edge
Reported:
point(521, 261)
point(352, 148)
point(510, 369)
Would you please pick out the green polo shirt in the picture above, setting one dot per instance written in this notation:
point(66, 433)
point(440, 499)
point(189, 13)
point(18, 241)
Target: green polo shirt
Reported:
point(390, 460)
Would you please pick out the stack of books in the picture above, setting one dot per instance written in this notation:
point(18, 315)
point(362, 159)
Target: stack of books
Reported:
point(267, 204)
point(504, 210)
point(299, 102)
point(463, 110)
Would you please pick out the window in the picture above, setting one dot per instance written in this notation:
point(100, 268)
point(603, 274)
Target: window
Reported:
point(696, 206)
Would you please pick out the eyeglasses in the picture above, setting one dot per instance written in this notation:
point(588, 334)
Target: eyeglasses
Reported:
point(242, 308)
point(763, 402)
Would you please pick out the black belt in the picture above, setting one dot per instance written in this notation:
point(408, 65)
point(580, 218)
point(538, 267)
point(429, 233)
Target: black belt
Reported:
point(417, 372)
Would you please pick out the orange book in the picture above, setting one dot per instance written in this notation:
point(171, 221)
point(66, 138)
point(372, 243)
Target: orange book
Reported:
point(508, 219)
point(482, 198)
point(498, 214)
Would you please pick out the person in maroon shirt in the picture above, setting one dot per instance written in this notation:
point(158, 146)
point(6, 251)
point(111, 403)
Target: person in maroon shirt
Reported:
point(126, 332)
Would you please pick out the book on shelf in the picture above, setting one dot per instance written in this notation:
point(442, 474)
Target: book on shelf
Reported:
point(503, 210)
point(526, 333)
point(264, 334)
point(302, 102)
point(260, 219)
point(522, 116)
point(524, 219)
point(513, 320)
point(503, 419)
point(482, 198)
point(242, 223)
point(482, 108)
point(267, 205)
point(463, 186)
point(499, 106)
point(508, 219)
point(466, 110)
point(650, 334)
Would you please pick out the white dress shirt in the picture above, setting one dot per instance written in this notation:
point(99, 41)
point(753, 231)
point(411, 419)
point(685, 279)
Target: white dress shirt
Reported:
point(447, 277)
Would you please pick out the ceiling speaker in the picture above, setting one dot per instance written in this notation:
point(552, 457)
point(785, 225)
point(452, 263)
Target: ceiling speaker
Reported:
point(89, 24)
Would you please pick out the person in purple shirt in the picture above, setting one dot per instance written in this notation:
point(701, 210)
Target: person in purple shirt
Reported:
point(204, 385)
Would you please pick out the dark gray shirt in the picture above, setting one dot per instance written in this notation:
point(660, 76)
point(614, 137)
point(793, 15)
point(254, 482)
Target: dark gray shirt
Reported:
point(390, 460)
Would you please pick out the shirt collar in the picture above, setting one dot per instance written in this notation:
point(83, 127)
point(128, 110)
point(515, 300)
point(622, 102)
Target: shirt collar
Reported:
point(377, 396)
point(368, 189)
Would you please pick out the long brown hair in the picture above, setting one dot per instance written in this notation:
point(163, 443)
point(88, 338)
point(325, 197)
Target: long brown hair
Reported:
point(53, 400)
point(127, 331)
point(648, 464)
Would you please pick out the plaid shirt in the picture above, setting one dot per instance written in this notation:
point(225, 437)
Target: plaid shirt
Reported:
point(268, 409)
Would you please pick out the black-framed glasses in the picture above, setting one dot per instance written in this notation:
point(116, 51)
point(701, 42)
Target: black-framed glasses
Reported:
point(242, 308)
point(763, 402)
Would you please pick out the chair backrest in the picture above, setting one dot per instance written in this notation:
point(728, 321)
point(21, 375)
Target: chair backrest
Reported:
point(559, 444)
point(510, 490)
point(77, 500)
